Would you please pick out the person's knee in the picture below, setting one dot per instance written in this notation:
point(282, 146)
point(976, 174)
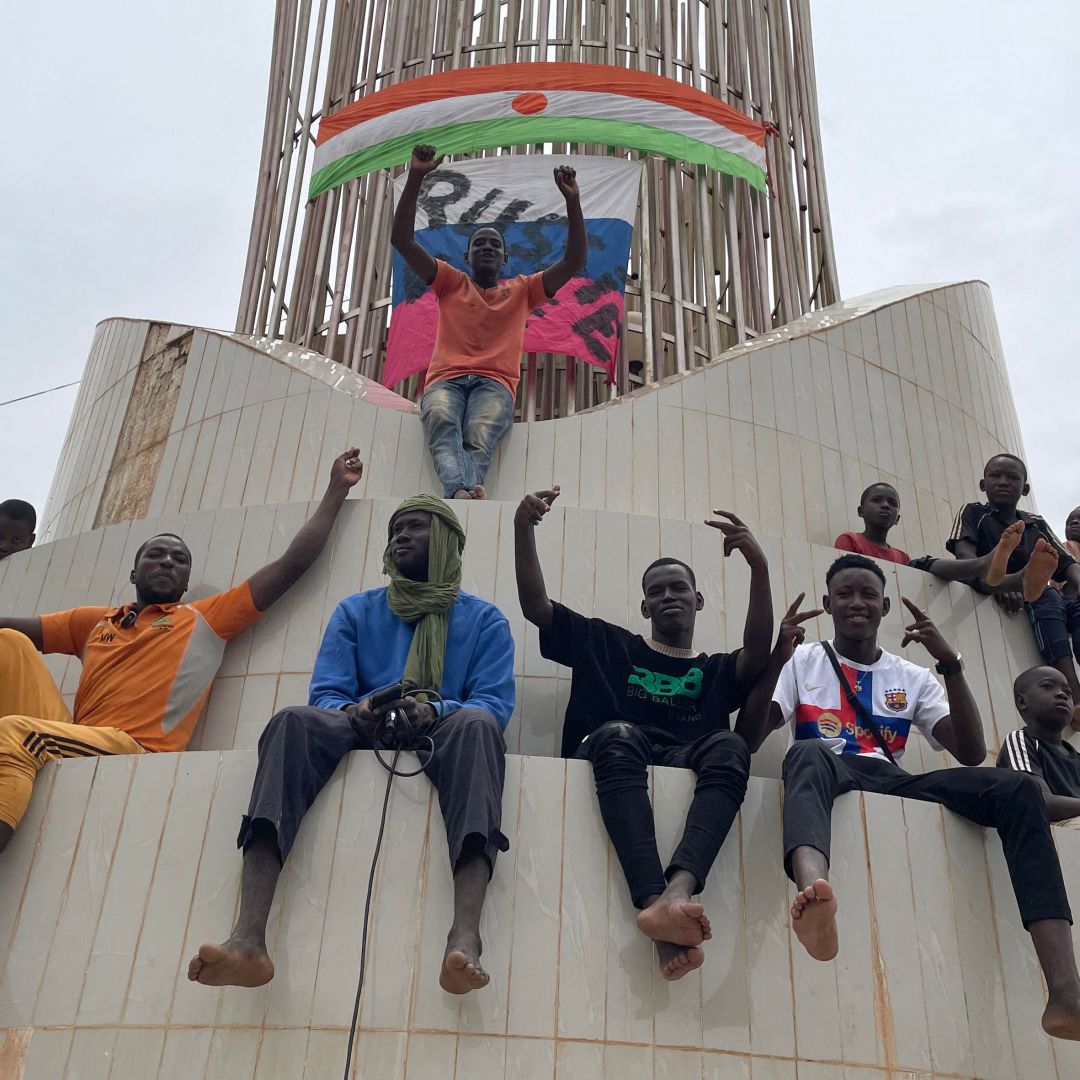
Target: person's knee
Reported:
point(476, 724)
point(439, 411)
point(11, 641)
point(723, 751)
point(14, 730)
point(1022, 791)
point(806, 754)
point(617, 740)
point(486, 432)
point(286, 726)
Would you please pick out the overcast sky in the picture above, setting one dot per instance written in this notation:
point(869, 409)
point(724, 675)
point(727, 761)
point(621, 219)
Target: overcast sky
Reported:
point(129, 170)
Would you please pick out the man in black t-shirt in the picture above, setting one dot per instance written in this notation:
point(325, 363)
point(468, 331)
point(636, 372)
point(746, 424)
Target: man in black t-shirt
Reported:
point(1045, 703)
point(636, 702)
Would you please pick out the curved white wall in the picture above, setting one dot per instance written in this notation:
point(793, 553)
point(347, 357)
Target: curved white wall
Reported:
point(124, 865)
point(905, 386)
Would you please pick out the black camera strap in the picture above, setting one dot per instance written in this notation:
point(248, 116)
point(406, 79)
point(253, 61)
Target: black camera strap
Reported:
point(860, 709)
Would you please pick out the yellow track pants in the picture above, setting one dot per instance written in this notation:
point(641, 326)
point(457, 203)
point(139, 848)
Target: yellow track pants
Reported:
point(36, 727)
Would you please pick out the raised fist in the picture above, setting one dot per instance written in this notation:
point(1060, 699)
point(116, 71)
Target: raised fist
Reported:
point(566, 181)
point(424, 159)
point(532, 508)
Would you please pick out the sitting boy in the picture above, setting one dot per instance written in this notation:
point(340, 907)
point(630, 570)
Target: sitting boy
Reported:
point(849, 707)
point(879, 508)
point(636, 702)
point(17, 523)
point(1045, 704)
point(1023, 556)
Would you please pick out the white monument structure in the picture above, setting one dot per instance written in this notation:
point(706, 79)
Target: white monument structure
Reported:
point(757, 390)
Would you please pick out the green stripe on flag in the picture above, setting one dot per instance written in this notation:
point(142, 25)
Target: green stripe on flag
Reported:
point(512, 131)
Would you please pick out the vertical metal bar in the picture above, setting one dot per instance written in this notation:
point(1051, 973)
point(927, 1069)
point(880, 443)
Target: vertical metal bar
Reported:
point(529, 408)
point(736, 262)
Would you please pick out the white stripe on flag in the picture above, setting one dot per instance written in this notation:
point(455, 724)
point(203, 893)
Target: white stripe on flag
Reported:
point(609, 188)
point(497, 106)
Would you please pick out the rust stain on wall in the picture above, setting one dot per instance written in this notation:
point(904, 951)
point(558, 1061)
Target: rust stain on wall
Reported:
point(13, 1053)
point(145, 429)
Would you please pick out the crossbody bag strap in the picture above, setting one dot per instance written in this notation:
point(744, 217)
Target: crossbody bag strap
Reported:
point(860, 709)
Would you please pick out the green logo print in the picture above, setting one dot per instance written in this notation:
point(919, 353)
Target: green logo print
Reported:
point(659, 685)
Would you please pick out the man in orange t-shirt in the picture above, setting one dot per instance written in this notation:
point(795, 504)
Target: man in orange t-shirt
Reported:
point(468, 404)
point(147, 667)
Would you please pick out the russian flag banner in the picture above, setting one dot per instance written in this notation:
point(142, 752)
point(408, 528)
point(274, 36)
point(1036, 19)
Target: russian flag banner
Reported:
point(518, 196)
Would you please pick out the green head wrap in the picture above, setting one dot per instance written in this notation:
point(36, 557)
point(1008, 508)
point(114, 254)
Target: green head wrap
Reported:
point(427, 603)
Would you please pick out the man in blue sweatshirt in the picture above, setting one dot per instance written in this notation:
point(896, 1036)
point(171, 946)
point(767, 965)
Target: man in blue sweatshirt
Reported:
point(424, 631)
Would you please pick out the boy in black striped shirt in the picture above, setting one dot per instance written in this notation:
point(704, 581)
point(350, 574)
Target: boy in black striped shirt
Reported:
point(1045, 703)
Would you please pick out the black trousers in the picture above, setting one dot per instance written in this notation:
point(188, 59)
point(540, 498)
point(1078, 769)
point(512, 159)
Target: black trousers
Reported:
point(1002, 799)
point(620, 754)
point(302, 746)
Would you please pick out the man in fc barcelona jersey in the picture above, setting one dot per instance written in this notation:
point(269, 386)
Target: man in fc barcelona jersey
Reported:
point(146, 667)
point(638, 701)
point(834, 749)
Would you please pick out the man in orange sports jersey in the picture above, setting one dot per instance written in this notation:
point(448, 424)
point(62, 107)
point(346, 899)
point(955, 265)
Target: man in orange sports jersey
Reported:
point(471, 382)
point(147, 666)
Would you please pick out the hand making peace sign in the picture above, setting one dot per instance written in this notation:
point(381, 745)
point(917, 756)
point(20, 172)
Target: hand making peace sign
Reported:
point(792, 633)
point(927, 635)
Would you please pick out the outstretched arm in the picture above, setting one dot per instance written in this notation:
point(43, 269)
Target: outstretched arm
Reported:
point(757, 633)
point(532, 592)
point(401, 235)
point(960, 732)
point(760, 714)
point(31, 627)
point(577, 242)
point(269, 583)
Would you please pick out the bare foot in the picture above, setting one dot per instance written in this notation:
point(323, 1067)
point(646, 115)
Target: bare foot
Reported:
point(463, 493)
point(680, 922)
point(813, 918)
point(1039, 570)
point(999, 557)
point(235, 962)
point(678, 960)
point(461, 969)
point(478, 492)
point(1062, 1017)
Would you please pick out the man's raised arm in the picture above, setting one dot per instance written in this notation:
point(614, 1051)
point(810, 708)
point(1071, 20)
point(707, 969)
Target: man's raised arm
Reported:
point(577, 241)
point(961, 732)
point(401, 235)
point(760, 714)
point(757, 633)
point(275, 578)
point(31, 627)
point(532, 592)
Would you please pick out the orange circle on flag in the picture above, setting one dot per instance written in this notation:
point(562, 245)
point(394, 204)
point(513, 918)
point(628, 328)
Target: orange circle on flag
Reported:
point(529, 103)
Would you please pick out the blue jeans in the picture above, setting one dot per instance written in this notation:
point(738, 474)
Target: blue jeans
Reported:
point(464, 420)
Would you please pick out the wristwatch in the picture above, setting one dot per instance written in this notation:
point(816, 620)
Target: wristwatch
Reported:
point(950, 667)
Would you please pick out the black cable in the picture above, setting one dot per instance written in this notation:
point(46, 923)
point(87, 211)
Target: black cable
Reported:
point(404, 739)
point(39, 393)
point(367, 910)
